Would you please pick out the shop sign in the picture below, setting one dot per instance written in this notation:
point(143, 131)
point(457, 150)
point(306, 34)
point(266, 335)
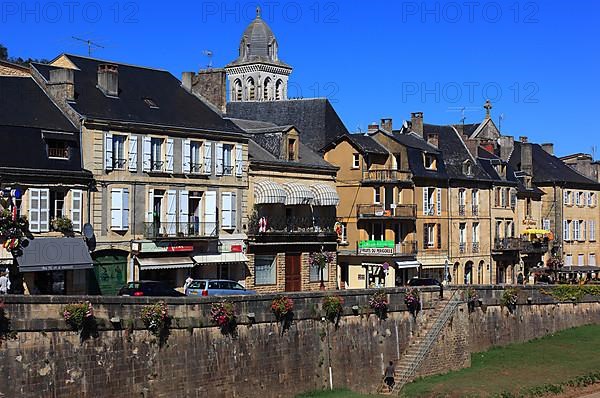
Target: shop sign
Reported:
point(378, 247)
point(161, 247)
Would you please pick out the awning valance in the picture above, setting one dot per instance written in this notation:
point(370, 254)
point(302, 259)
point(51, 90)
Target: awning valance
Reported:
point(165, 263)
point(297, 194)
point(325, 195)
point(268, 192)
point(54, 254)
point(407, 264)
point(220, 258)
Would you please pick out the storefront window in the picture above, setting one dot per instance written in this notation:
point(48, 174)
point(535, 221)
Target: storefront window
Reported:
point(265, 272)
point(315, 273)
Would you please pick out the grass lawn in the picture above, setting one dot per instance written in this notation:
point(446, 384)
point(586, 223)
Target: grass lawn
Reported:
point(551, 359)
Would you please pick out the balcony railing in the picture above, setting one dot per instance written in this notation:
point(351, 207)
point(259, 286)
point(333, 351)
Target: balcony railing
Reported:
point(157, 165)
point(462, 247)
point(379, 211)
point(385, 175)
point(196, 167)
point(475, 247)
point(119, 164)
point(507, 244)
point(475, 210)
point(461, 210)
point(159, 230)
point(534, 247)
point(406, 248)
point(291, 225)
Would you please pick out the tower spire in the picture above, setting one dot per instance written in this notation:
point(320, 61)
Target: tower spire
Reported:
point(488, 109)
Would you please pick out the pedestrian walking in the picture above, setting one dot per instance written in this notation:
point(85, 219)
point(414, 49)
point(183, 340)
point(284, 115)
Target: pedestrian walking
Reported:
point(388, 377)
point(4, 284)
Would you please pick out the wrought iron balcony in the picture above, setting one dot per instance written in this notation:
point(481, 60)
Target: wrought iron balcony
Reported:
point(534, 247)
point(507, 244)
point(475, 210)
point(461, 210)
point(157, 165)
point(196, 167)
point(475, 247)
point(385, 175)
point(462, 247)
point(291, 225)
point(169, 230)
point(406, 248)
point(379, 211)
point(119, 164)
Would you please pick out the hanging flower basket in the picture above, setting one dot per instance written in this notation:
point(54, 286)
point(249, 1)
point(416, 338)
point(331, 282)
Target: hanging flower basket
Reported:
point(80, 318)
point(333, 307)
point(509, 299)
point(282, 307)
point(379, 304)
point(157, 321)
point(412, 301)
point(223, 315)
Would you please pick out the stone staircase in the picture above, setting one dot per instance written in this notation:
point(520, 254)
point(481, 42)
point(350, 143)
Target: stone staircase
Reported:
point(421, 343)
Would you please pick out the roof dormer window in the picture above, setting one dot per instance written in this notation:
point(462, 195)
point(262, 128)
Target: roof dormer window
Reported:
point(468, 168)
point(430, 161)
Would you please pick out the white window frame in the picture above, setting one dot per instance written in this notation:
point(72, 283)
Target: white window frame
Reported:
point(592, 230)
point(546, 224)
point(76, 209)
point(228, 210)
point(462, 233)
point(355, 161)
point(377, 195)
point(566, 230)
point(227, 157)
point(344, 232)
point(41, 221)
point(592, 259)
point(272, 278)
point(569, 260)
point(119, 143)
point(315, 273)
point(576, 230)
point(133, 153)
point(119, 210)
point(581, 259)
point(475, 236)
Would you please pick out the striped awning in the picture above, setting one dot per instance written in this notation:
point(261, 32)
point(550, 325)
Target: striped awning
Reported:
point(325, 195)
point(268, 192)
point(165, 263)
point(297, 194)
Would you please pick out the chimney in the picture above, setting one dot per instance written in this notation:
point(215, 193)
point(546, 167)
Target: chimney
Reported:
point(62, 84)
point(506, 144)
point(416, 120)
point(372, 127)
point(526, 156)
point(473, 146)
point(210, 84)
point(433, 139)
point(108, 79)
point(386, 124)
point(548, 147)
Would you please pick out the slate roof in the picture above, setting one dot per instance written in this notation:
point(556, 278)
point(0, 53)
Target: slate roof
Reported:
point(176, 106)
point(315, 118)
point(24, 104)
point(548, 169)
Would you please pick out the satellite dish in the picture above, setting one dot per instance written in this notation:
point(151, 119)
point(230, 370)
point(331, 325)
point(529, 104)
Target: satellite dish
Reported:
point(88, 231)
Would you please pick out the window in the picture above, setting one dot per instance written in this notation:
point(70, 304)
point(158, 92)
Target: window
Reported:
point(583, 230)
point(118, 152)
point(279, 90)
point(429, 236)
point(196, 158)
point(227, 159)
point(462, 233)
point(467, 168)
point(462, 198)
point(377, 195)
point(498, 229)
point(592, 230)
point(76, 206)
point(509, 231)
point(565, 197)
point(566, 230)
point(156, 160)
point(576, 231)
point(39, 210)
point(355, 160)
point(592, 260)
point(398, 162)
point(528, 207)
point(265, 270)
point(428, 201)
point(581, 259)
point(267, 88)
point(228, 210)
point(376, 231)
point(291, 149)
point(315, 273)
point(119, 209)
point(251, 89)
point(237, 90)
point(578, 198)
point(475, 232)
point(57, 204)
point(430, 161)
point(496, 197)
point(546, 224)
point(568, 198)
point(569, 260)
point(503, 201)
point(343, 232)
point(475, 201)
point(58, 149)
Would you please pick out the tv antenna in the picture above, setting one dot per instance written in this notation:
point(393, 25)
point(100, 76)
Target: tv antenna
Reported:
point(208, 54)
point(500, 119)
point(463, 110)
point(89, 43)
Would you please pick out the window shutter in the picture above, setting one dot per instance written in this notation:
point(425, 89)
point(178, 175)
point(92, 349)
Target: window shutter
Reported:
point(133, 153)
point(169, 159)
point(546, 224)
point(566, 230)
point(513, 198)
point(208, 145)
point(219, 159)
point(592, 230)
point(76, 204)
point(186, 158)
point(147, 155)
point(583, 227)
point(576, 230)
point(184, 212)
point(44, 210)
point(34, 210)
point(439, 236)
point(226, 210)
point(150, 209)
point(587, 199)
point(425, 236)
point(239, 161)
point(233, 210)
point(116, 209)
point(210, 213)
point(171, 212)
point(425, 200)
point(125, 209)
point(108, 151)
point(439, 201)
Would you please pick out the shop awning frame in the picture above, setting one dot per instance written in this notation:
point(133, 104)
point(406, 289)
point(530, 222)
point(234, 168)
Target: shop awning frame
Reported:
point(298, 194)
point(153, 263)
point(222, 258)
point(54, 254)
point(269, 192)
point(324, 195)
point(407, 264)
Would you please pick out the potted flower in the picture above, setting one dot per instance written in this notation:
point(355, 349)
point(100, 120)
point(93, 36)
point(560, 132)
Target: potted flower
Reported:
point(333, 308)
point(156, 319)
point(62, 224)
point(80, 318)
point(223, 315)
point(379, 304)
point(412, 301)
point(321, 260)
point(282, 307)
point(509, 299)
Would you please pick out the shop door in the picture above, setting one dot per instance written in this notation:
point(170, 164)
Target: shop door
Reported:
point(292, 273)
point(110, 272)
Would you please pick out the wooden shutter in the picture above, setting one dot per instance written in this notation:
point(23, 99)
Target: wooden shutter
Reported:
point(207, 157)
point(233, 210)
point(210, 213)
point(576, 230)
point(226, 209)
point(425, 200)
point(184, 212)
point(125, 209)
point(425, 236)
point(44, 210)
point(219, 159)
point(147, 154)
point(186, 158)
point(239, 161)
point(583, 227)
point(566, 231)
point(169, 157)
point(439, 235)
point(133, 153)
point(171, 212)
point(150, 208)
point(34, 210)
point(439, 201)
point(108, 151)
point(76, 204)
point(116, 209)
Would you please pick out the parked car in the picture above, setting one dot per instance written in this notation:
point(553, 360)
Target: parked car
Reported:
point(423, 282)
point(149, 288)
point(216, 287)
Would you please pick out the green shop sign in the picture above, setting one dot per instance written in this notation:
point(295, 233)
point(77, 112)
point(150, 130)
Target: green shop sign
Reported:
point(370, 244)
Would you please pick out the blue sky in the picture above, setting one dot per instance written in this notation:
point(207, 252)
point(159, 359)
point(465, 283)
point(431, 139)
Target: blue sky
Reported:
point(537, 61)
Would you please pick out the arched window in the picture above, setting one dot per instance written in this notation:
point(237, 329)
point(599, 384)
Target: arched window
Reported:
point(236, 91)
point(251, 89)
point(480, 273)
point(267, 95)
point(279, 90)
point(469, 273)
